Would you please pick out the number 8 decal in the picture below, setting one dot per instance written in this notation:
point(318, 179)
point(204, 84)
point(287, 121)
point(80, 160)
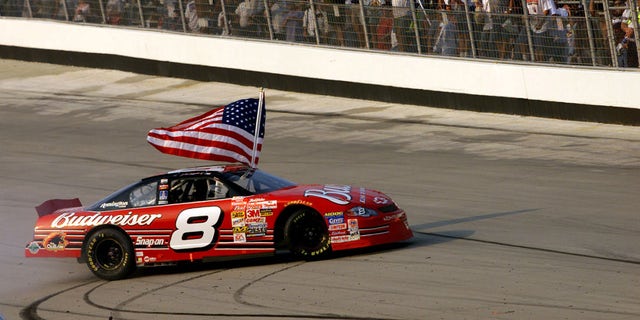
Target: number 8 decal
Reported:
point(195, 228)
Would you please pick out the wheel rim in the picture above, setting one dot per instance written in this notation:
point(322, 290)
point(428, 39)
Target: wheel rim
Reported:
point(109, 254)
point(308, 235)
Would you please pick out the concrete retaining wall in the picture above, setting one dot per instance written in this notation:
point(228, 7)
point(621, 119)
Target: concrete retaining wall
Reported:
point(591, 94)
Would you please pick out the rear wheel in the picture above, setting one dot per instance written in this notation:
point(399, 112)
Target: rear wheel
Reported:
point(109, 254)
point(307, 235)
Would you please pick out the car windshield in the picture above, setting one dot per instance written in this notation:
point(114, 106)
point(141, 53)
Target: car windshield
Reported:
point(256, 181)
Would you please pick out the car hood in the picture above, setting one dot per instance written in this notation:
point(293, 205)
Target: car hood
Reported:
point(342, 195)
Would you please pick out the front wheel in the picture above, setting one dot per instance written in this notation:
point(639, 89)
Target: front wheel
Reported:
point(109, 254)
point(307, 235)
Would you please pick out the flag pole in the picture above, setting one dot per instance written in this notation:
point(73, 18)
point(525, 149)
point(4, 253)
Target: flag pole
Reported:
point(257, 131)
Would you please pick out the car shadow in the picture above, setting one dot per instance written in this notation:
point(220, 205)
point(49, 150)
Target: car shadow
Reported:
point(422, 237)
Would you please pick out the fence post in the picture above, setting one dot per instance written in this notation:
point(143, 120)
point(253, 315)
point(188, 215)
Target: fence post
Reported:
point(527, 26)
point(472, 39)
point(633, 6)
point(104, 17)
point(415, 26)
point(140, 13)
point(363, 21)
point(28, 5)
point(315, 21)
point(267, 11)
point(184, 24)
point(592, 46)
point(66, 10)
point(224, 17)
point(610, 37)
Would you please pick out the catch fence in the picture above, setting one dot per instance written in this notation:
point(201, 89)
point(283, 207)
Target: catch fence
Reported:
point(574, 32)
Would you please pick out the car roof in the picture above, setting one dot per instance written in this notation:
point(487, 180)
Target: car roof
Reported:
point(215, 168)
point(203, 170)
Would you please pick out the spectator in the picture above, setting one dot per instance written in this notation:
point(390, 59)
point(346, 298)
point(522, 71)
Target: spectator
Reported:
point(82, 11)
point(539, 21)
point(559, 51)
point(171, 15)
point(354, 22)
point(446, 39)
point(318, 24)
point(191, 16)
point(511, 27)
point(293, 23)
point(279, 12)
point(257, 19)
point(384, 30)
point(114, 11)
point(457, 10)
point(373, 12)
point(243, 11)
point(336, 16)
point(62, 9)
point(402, 22)
point(492, 39)
point(627, 49)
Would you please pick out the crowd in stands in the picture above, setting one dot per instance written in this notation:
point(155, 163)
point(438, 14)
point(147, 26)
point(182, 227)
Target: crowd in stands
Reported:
point(588, 32)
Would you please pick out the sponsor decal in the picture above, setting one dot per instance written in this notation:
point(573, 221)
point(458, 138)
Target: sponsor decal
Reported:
point(256, 229)
point(148, 259)
point(139, 253)
point(237, 214)
point(163, 195)
point(163, 202)
point(334, 214)
point(149, 242)
point(34, 247)
point(256, 220)
point(239, 237)
point(264, 204)
point(239, 207)
point(302, 202)
point(164, 181)
point(338, 239)
point(114, 205)
point(342, 226)
point(242, 229)
point(266, 212)
point(336, 220)
point(354, 230)
point(380, 200)
point(394, 217)
point(55, 241)
point(237, 222)
point(70, 219)
point(363, 196)
point(253, 212)
point(163, 187)
point(338, 233)
point(337, 194)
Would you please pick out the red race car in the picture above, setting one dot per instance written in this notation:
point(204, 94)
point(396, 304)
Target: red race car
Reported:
point(204, 213)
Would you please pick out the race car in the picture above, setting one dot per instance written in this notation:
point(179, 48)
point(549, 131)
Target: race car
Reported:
point(207, 213)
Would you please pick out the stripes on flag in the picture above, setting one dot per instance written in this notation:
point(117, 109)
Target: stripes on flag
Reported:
point(222, 134)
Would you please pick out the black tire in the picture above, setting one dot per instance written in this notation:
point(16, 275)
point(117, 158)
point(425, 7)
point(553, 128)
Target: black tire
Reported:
point(307, 235)
point(109, 254)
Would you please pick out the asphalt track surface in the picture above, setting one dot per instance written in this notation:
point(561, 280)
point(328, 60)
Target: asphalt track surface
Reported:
point(514, 218)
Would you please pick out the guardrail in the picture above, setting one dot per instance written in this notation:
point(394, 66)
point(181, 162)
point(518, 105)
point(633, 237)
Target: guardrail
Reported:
point(602, 35)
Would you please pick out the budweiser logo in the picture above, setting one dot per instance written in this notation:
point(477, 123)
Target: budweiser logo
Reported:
point(70, 219)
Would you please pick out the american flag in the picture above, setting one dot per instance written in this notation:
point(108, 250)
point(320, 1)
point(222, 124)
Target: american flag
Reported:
point(223, 134)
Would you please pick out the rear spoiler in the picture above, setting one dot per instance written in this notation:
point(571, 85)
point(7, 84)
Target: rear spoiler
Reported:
point(50, 206)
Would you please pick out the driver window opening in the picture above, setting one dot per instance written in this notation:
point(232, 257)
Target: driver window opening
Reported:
point(197, 189)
